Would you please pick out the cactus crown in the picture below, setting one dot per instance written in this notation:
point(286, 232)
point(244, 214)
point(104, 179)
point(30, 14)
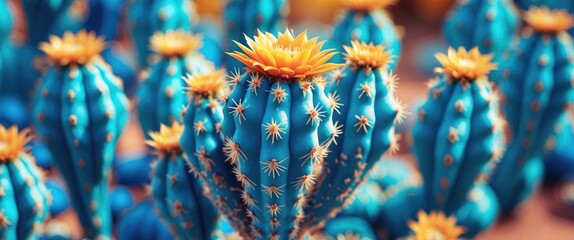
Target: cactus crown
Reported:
point(367, 55)
point(175, 43)
point(12, 143)
point(167, 139)
point(367, 5)
point(435, 226)
point(285, 57)
point(462, 64)
point(548, 21)
point(207, 84)
point(73, 49)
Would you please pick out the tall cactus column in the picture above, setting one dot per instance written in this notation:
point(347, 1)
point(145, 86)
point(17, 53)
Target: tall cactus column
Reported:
point(538, 87)
point(160, 98)
point(204, 147)
point(459, 129)
point(24, 198)
point(367, 21)
point(362, 100)
point(80, 110)
point(277, 121)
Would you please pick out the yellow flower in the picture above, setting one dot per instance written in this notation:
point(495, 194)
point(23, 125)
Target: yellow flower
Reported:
point(367, 5)
point(175, 43)
point(167, 139)
point(469, 65)
point(12, 143)
point(285, 56)
point(73, 49)
point(435, 226)
point(209, 83)
point(367, 55)
point(545, 20)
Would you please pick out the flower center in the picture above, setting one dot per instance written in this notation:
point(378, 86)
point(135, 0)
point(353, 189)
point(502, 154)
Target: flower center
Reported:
point(467, 63)
point(3, 145)
point(435, 234)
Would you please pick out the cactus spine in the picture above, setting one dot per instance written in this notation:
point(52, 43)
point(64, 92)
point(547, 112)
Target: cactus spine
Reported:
point(362, 99)
point(146, 17)
point(538, 86)
point(458, 130)
point(177, 192)
point(203, 144)
point(489, 25)
point(160, 99)
point(80, 110)
point(247, 17)
point(366, 21)
point(23, 195)
point(277, 122)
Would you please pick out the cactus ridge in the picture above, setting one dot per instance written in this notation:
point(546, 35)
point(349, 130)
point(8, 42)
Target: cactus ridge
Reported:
point(536, 99)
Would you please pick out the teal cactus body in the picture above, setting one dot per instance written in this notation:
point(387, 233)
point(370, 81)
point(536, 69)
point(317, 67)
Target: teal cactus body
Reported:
point(247, 17)
point(146, 17)
point(362, 100)
point(79, 111)
point(6, 48)
point(458, 131)
point(348, 228)
point(160, 98)
point(23, 196)
point(479, 212)
point(277, 124)
point(538, 87)
point(203, 145)
point(367, 24)
point(488, 25)
point(179, 195)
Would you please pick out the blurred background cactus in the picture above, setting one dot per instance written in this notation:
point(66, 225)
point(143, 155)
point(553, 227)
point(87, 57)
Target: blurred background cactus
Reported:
point(160, 97)
point(24, 199)
point(79, 111)
point(538, 89)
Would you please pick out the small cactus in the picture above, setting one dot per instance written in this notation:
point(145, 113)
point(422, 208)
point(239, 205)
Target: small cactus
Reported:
point(366, 21)
point(278, 128)
point(178, 194)
point(24, 198)
point(459, 129)
point(147, 17)
point(435, 226)
point(79, 111)
point(538, 88)
point(203, 144)
point(160, 99)
point(248, 17)
point(489, 25)
point(361, 97)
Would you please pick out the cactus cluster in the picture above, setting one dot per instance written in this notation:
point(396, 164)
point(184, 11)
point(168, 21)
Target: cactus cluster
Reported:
point(178, 194)
point(361, 96)
point(538, 87)
point(278, 128)
point(488, 25)
point(146, 17)
point(459, 129)
point(79, 111)
point(159, 98)
point(24, 198)
point(367, 21)
point(247, 17)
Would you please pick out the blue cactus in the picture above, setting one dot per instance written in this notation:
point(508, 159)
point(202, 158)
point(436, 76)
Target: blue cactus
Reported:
point(6, 48)
point(362, 99)
point(480, 212)
point(203, 144)
point(159, 97)
point(366, 21)
point(277, 124)
point(180, 196)
point(129, 166)
point(146, 17)
point(141, 222)
point(246, 17)
point(23, 195)
point(488, 25)
point(538, 87)
point(459, 129)
point(79, 111)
